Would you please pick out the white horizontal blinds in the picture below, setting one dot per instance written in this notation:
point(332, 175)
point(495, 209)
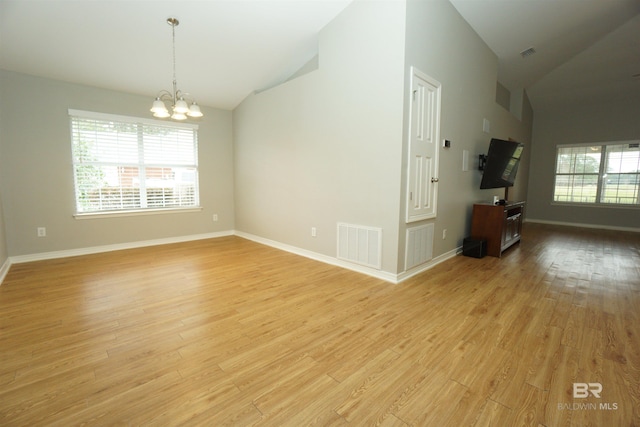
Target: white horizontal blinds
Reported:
point(170, 166)
point(621, 181)
point(577, 171)
point(607, 173)
point(121, 164)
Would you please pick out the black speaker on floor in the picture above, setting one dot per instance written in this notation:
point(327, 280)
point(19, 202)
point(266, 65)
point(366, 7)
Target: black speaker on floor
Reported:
point(476, 248)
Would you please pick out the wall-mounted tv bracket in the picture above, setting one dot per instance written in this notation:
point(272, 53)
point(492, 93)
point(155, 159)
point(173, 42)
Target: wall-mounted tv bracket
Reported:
point(482, 160)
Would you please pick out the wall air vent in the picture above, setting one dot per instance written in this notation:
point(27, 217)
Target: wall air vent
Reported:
point(360, 244)
point(527, 52)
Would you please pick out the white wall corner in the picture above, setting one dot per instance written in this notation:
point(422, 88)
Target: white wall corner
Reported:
point(428, 265)
point(4, 270)
point(380, 274)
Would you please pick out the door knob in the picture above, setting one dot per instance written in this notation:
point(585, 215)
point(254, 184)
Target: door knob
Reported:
point(434, 180)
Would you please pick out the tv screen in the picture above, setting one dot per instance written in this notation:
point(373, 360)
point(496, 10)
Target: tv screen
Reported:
point(501, 164)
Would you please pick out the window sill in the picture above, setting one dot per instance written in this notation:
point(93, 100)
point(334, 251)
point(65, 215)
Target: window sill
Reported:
point(595, 205)
point(138, 212)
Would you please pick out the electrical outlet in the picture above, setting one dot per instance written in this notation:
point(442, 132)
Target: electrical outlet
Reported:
point(444, 234)
point(42, 232)
point(314, 232)
point(215, 217)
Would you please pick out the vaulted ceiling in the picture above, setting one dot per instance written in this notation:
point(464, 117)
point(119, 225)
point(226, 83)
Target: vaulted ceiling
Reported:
point(585, 49)
point(225, 49)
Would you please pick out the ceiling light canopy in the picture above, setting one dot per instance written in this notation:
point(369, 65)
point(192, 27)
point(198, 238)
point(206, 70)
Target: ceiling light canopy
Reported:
point(178, 99)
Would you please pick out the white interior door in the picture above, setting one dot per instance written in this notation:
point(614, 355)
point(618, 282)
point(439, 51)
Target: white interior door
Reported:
point(422, 181)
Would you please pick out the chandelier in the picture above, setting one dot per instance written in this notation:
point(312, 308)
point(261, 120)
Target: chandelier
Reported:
point(180, 108)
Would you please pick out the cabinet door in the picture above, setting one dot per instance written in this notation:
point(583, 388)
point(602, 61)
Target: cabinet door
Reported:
point(513, 223)
point(424, 133)
point(517, 225)
point(506, 230)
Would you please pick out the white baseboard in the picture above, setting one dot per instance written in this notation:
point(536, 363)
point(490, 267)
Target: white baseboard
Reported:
point(109, 248)
point(379, 274)
point(428, 265)
point(384, 275)
point(579, 225)
point(4, 269)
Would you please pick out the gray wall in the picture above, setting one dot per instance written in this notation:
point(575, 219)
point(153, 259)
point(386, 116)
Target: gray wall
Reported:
point(442, 45)
point(618, 120)
point(36, 175)
point(4, 253)
point(331, 145)
point(325, 147)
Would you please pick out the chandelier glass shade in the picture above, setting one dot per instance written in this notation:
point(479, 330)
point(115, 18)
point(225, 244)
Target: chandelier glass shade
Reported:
point(180, 108)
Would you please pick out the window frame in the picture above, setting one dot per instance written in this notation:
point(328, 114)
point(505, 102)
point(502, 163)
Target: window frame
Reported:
point(140, 122)
point(600, 176)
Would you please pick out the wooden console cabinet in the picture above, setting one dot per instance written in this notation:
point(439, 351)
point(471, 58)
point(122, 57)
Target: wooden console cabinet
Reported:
point(499, 225)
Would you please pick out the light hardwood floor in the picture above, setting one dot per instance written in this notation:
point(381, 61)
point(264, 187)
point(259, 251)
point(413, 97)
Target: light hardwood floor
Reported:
point(229, 332)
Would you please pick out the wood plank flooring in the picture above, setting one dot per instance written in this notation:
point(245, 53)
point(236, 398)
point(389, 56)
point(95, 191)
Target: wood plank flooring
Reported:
point(229, 332)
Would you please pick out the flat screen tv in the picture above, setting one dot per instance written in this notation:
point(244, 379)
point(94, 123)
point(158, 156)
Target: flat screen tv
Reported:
point(501, 164)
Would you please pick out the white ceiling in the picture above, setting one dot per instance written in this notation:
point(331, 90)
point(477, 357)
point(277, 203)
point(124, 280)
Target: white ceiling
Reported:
point(585, 49)
point(227, 49)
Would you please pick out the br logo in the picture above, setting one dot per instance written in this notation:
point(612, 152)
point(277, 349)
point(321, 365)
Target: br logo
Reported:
point(582, 390)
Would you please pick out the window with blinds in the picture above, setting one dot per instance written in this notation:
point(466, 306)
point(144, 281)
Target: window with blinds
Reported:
point(128, 164)
point(605, 174)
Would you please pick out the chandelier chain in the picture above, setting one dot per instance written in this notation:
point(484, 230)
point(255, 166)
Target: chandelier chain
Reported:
point(173, 31)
